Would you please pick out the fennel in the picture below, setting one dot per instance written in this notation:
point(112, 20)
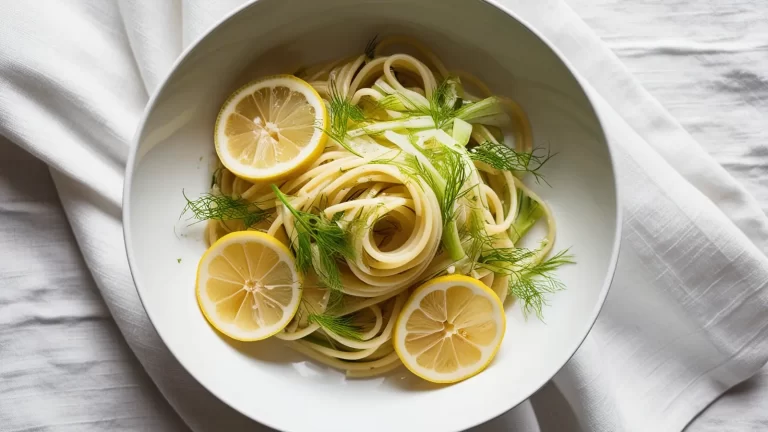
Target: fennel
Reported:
point(528, 283)
point(341, 111)
point(370, 47)
point(503, 158)
point(528, 212)
point(340, 325)
point(225, 208)
point(319, 244)
point(443, 171)
point(444, 105)
point(445, 101)
point(532, 285)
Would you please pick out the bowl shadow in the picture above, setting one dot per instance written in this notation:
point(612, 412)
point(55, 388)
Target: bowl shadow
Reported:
point(270, 350)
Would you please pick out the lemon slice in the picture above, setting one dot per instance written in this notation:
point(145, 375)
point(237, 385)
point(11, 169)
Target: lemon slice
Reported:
point(247, 285)
point(450, 329)
point(270, 128)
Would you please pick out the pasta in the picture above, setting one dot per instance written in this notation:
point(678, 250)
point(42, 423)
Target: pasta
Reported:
point(413, 199)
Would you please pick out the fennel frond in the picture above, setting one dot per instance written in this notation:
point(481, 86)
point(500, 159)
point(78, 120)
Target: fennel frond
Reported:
point(225, 208)
point(440, 109)
point(441, 169)
point(445, 101)
point(370, 47)
point(320, 243)
point(533, 284)
point(340, 325)
point(528, 283)
point(341, 112)
point(503, 158)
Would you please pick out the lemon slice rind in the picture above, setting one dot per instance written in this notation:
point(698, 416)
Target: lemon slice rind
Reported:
point(488, 349)
point(311, 150)
point(289, 284)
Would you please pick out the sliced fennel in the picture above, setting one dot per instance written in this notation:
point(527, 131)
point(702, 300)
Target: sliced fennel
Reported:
point(489, 111)
point(444, 171)
point(420, 122)
point(318, 243)
point(528, 212)
point(442, 107)
point(462, 131)
point(503, 158)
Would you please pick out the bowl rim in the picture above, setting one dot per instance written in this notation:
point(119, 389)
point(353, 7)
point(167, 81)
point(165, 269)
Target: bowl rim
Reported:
point(584, 86)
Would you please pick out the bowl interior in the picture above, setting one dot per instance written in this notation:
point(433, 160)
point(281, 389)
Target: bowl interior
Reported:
point(174, 153)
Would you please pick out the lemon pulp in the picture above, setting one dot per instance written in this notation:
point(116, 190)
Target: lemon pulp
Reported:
point(247, 285)
point(449, 329)
point(270, 128)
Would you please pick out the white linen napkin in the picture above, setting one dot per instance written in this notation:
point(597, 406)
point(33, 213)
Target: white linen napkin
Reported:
point(686, 317)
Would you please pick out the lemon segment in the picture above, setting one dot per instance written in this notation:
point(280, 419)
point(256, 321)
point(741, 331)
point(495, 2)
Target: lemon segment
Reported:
point(270, 128)
point(449, 329)
point(247, 285)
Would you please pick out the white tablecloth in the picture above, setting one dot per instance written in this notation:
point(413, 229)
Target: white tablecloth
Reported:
point(64, 365)
point(707, 63)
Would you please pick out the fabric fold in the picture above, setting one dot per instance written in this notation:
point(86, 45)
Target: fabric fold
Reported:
point(685, 319)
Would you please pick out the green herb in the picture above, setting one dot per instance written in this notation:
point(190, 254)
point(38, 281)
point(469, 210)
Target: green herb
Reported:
point(532, 285)
point(503, 158)
point(445, 175)
point(451, 167)
point(340, 325)
point(178, 260)
point(478, 238)
point(444, 101)
point(530, 282)
point(225, 208)
point(443, 171)
point(341, 112)
point(320, 243)
point(215, 177)
point(441, 107)
point(503, 260)
point(528, 212)
point(394, 160)
point(370, 47)
point(335, 301)
point(331, 322)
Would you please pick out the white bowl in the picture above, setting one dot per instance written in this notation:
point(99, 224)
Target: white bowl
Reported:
point(270, 383)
